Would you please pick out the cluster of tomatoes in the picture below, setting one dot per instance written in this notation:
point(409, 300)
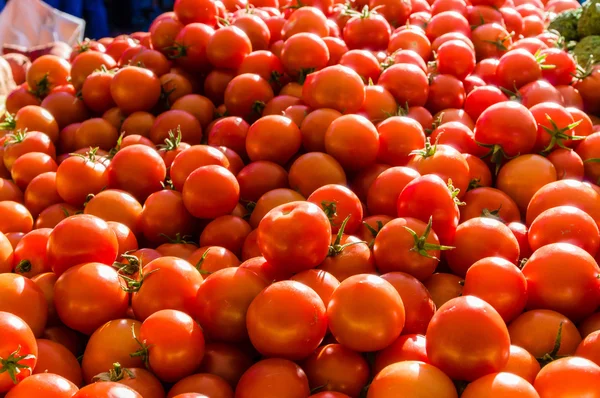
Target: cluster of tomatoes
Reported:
point(293, 199)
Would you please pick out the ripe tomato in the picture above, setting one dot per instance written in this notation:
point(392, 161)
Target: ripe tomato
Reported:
point(95, 242)
point(333, 367)
point(341, 206)
point(489, 202)
point(542, 272)
point(428, 197)
point(48, 384)
point(418, 305)
point(16, 217)
point(234, 287)
point(337, 87)
point(500, 384)
point(260, 177)
point(286, 379)
point(268, 315)
point(55, 358)
point(564, 224)
point(343, 136)
point(22, 297)
point(225, 361)
point(322, 282)
point(30, 254)
point(407, 245)
point(18, 350)
point(106, 388)
point(408, 347)
point(347, 315)
point(274, 138)
point(228, 47)
point(217, 195)
point(47, 72)
point(295, 236)
point(411, 377)
point(572, 375)
point(201, 385)
point(483, 350)
point(20, 143)
point(553, 334)
point(135, 89)
point(522, 363)
point(165, 333)
point(500, 283)
point(190, 11)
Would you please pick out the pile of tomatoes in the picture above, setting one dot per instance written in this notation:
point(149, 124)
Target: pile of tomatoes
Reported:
point(293, 199)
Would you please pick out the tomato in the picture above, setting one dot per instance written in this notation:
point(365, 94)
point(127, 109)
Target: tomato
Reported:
point(164, 30)
point(588, 150)
point(407, 245)
point(363, 62)
point(260, 177)
point(347, 131)
point(30, 253)
point(398, 137)
point(235, 286)
point(218, 194)
point(115, 205)
point(95, 242)
point(408, 347)
point(564, 224)
point(522, 363)
point(18, 351)
point(35, 118)
point(491, 41)
point(483, 350)
point(201, 385)
point(413, 89)
point(489, 202)
point(322, 282)
point(347, 315)
point(305, 19)
point(418, 305)
point(100, 354)
point(47, 72)
point(341, 205)
point(581, 282)
point(135, 89)
point(51, 385)
point(79, 176)
point(228, 47)
point(295, 236)
point(106, 388)
point(541, 340)
point(572, 375)
point(184, 124)
point(334, 367)
point(138, 169)
point(273, 378)
point(337, 87)
point(22, 297)
point(57, 359)
point(270, 200)
point(411, 377)
point(225, 361)
point(262, 144)
point(166, 332)
point(20, 143)
point(506, 127)
point(266, 318)
point(500, 384)
point(481, 98)
point(190, 11)
point(441, 207)
point(500, 283)
point(304, 53)
point(564, 193)
point(16, 217)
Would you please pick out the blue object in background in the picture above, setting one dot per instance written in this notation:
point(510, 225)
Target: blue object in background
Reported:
point(93, 11)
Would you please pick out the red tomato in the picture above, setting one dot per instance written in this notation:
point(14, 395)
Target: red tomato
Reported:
point(18, 350)
point(166, 333)
point(295, 236)
point(483, 350)
point(273, 378)
point(348, 316)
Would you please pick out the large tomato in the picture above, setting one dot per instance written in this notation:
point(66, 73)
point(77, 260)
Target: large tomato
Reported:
point(295, 236)
point(358, 328)
point(462, 350)
point(18, 351)
point(79, 239)
point(286, 320)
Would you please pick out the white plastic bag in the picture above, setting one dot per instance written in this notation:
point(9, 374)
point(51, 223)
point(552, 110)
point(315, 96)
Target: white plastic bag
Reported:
point(31, 23)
